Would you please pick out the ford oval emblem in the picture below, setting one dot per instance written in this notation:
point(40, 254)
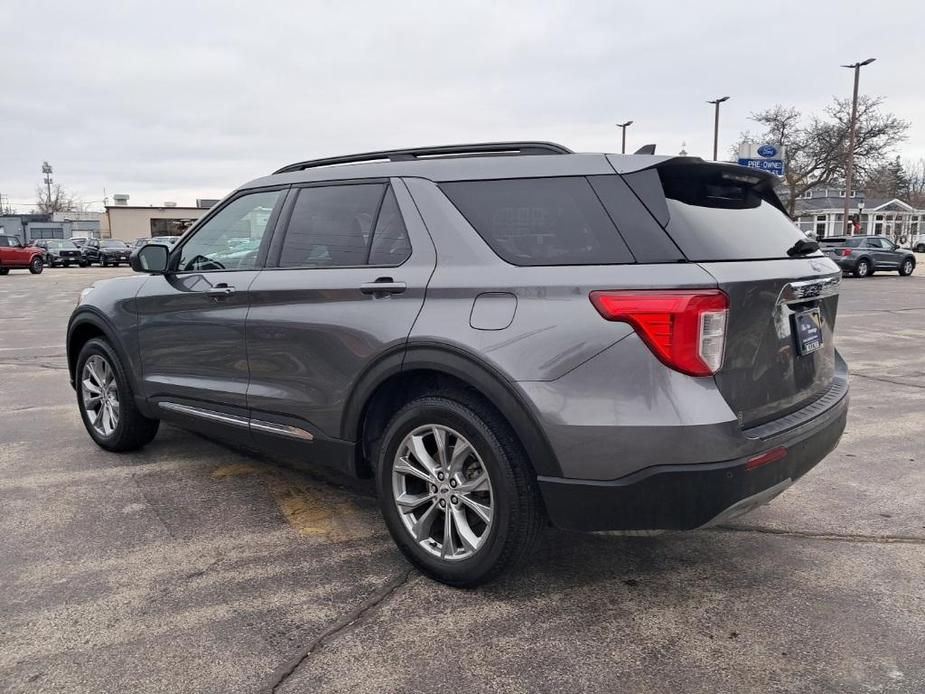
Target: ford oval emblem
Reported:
point(767, 151)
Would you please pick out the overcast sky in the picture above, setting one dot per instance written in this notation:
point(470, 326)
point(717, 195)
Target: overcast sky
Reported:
point(174, 100)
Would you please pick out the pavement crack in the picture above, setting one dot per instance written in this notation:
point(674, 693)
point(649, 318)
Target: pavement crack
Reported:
point(836, 537)
point(888, 380)
point(282, 673)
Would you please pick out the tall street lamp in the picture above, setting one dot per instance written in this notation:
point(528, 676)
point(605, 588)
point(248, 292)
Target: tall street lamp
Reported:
point(849, 157)
point(623, 127)
point(716, 102)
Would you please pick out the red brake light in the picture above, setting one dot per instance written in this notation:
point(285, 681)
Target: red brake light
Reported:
point(685, 329)
point(846, 252)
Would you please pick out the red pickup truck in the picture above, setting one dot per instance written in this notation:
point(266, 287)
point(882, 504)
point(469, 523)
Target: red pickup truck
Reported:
point(14, 255)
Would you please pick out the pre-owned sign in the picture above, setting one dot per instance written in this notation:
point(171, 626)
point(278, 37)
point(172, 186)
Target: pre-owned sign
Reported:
point(765, 157)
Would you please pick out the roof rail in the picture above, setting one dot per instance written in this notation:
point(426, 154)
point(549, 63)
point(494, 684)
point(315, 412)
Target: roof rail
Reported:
point(474, 150)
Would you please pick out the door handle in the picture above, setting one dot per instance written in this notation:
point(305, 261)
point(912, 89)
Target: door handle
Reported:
point(220, 291)
point(383, 287)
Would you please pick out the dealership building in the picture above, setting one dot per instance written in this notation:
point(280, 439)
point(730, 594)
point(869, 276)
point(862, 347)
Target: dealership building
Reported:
point(128, 222)
point(821, 212)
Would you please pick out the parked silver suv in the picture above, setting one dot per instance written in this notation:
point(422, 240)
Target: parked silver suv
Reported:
point(504, 335)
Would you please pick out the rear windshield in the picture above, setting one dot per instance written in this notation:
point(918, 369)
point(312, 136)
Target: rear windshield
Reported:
point(540, 221)
point(716, 214)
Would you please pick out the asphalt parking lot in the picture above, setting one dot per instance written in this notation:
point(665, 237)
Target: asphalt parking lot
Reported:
point(193, 567)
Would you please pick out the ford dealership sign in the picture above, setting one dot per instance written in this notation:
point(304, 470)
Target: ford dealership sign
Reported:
point(764, 157)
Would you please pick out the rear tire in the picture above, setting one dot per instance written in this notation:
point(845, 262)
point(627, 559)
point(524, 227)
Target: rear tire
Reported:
point(4, 271)
point(104, 390)
point(908, 265)
point(36, 266)
point(863, 269)
point(920, 248)
point(491, 472)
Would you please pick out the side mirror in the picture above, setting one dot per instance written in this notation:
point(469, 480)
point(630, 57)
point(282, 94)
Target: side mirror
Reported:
point(151, 257)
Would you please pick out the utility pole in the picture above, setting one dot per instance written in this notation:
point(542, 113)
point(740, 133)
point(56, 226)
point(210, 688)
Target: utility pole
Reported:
point(623, 127)
point(716, 102)
point(852, 125)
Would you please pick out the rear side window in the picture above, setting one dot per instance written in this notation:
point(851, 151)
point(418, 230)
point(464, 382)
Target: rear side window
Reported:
point(718, 214)
point(331, 226)
point(390, 244)
point(540, 221)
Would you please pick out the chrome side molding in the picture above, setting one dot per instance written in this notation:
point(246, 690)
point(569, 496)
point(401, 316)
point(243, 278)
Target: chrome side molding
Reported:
point(238, 421)
point(281, 430)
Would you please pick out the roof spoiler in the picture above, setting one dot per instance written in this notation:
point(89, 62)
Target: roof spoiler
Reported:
point(645, 149)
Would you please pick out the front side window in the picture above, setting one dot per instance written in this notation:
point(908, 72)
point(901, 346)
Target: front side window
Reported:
point(231, 239)
point(345, 226)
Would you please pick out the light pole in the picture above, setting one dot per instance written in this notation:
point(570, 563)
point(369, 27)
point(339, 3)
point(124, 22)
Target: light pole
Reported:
point(860, 215)
point(46, 169)
point(623, 127)
point(716, 102)
point(849, 156)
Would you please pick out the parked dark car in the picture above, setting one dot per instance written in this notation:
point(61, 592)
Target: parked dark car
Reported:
point(863, 255)
point(14, 254)
point(59, 252)
point(503, 335)
point(106, 253)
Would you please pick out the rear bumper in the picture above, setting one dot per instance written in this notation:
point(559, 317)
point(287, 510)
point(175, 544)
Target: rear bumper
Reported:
point(684, 497)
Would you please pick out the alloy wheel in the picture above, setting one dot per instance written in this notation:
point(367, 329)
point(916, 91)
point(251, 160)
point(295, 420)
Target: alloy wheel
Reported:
point(443, 492)
point(100, 394)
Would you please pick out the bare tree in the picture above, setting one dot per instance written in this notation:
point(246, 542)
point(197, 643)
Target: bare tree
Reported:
point(57, 199)
point(915, 177)
point(816, 147)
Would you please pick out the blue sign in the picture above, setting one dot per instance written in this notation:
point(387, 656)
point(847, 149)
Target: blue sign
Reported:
point(767, 151)
point(774, 166)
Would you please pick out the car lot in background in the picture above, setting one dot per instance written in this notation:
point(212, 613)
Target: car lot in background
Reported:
point(106, 252)
point(59, 252)
point(864, 255)
point(194, 566)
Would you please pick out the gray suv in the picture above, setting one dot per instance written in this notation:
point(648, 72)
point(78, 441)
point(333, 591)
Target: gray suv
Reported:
point(503, 335)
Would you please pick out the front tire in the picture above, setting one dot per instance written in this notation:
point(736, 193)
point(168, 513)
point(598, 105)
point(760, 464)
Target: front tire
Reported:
point(863, 269)
point(4, 271)
point(36, 266)
point(106, 402)
point(455, 489)
point(908, 265)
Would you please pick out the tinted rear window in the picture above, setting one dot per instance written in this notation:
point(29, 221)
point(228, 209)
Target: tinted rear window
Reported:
point(715, 214)
point(540, 221)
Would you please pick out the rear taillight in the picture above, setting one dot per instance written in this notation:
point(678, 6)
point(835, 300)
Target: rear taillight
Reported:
point(685, 329)
point(846, 252)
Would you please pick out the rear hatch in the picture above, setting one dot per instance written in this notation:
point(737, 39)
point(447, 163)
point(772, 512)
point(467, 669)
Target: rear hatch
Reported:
point(730, 221)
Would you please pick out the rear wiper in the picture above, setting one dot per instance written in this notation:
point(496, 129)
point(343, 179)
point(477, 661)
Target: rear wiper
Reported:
point(802, 247)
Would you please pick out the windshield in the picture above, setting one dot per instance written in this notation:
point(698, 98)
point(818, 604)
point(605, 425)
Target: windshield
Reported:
point(59, 243)
point(113, 243)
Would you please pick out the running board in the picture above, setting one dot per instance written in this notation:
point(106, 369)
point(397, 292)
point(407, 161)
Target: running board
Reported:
point(238, 421)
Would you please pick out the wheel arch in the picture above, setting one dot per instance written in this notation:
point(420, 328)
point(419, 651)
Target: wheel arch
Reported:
point(398, 377)
point(85, 326)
